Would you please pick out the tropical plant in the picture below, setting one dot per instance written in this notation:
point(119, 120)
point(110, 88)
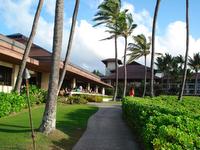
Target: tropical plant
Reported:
point(165, 65)
point(194, 64)
point(62, 76)
point(138, 49)
point(186, 52)
point(153, 46)
point(107, 14)
point(28, 47)
point(126, 27)
point(49, 117)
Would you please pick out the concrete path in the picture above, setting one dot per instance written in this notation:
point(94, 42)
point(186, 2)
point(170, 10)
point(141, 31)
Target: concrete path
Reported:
point(107, 131)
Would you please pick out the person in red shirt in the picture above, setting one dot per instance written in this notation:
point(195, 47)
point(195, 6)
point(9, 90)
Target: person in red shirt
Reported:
point(132, 92)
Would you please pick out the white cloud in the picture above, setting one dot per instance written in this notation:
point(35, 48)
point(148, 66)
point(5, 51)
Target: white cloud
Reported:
point(173, 41)
point(50, 6)
point(87, 49)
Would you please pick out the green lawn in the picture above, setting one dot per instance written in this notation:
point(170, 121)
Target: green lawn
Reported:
point(71, 123)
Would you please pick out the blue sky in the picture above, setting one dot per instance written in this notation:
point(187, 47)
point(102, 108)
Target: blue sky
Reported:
point(17, 15)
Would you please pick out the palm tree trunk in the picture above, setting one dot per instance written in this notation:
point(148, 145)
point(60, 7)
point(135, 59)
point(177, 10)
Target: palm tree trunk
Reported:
point(145, 75)
point(186, 53)
point(125, 69)
point(116, 71)
point(28, 47)
point(49, 116)
point(153, 46)
point(196, 82)
point(69, 44)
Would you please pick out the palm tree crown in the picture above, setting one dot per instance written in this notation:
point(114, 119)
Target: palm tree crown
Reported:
point(194, 62)
point(139, 48)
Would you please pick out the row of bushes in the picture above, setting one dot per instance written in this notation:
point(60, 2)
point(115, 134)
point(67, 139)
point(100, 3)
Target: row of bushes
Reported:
point(164, 122)
point(81, 99)
point(13, 102)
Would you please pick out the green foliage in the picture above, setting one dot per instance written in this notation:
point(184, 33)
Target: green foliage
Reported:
point(37, 95)
point(76, 99)
point(164, 122)
point(13, 102)
point(109, 91)
point(83, 99)
point(93, 98)
point(10, 102)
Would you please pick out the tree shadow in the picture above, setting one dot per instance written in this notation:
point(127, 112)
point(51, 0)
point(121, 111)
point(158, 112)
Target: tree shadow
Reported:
point(14, 128)
point(74, 127)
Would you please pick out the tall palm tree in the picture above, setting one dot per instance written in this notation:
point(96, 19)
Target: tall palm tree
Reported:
point(69, 44)
point(186, 52)
point(138, 49)
point(153, 46)
point(126, 27)
point(194, 64)
point(108, 13)
point(28, 47)
point(49, 117)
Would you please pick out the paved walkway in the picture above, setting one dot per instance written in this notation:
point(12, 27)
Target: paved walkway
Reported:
point(107, 131)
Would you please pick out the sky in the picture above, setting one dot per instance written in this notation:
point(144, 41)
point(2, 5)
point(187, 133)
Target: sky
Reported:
point(16, 16)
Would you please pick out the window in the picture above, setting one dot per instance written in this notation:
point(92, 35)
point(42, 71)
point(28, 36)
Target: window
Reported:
point(5, 75)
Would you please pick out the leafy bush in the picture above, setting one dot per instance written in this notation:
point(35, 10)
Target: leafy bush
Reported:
point(37, 95)
point(10, 102)
point(77, 99)
point(164, 122)
point(13, 102)
point(83, 99)
point(93, 98)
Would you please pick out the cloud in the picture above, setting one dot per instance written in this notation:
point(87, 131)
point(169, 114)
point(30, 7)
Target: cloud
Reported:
point(87, 49)
point(50, 6)
point(174, 40)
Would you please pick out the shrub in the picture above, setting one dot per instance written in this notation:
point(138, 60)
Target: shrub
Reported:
point(83, 99)
point(13, 102)
point(93, 98)
point(77, 99)
point(10, 102)
point(37, 95)
point(164, 122)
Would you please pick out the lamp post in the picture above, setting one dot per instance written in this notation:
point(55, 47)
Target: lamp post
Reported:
point(27, 76)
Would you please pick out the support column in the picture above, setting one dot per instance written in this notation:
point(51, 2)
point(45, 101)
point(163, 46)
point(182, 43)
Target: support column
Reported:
point(73, 83)
point(96, 89)
point(88, 87)
point(103, 91)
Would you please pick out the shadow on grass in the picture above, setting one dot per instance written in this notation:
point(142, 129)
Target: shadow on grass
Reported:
point(8, 128)
point(73, 126)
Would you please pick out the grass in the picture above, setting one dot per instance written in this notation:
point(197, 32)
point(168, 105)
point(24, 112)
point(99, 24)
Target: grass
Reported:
point(71, 123)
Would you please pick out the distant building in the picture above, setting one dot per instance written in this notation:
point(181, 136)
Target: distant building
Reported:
point(135, 72)
point(39, 64)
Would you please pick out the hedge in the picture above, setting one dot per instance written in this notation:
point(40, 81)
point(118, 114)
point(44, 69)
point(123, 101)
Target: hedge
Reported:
point(13, 102)
point(164, 122)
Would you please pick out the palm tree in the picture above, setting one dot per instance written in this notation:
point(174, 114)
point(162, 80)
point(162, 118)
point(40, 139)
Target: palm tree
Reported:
point(126, 27)
point(28, 47)
point(138, 49)
point(49, 117)
point(186, 52)
point(194, 64)
point(166, 65)
point(108, 13)
point(69, 44)
point(153, 46)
